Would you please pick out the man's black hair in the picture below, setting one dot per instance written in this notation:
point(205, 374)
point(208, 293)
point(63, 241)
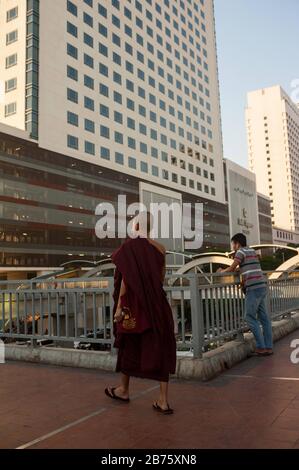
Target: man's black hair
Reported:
point(239, 238)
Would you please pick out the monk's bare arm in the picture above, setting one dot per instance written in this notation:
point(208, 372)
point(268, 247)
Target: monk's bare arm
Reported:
point(122, 292)
point(163, 271)
point(118, 313)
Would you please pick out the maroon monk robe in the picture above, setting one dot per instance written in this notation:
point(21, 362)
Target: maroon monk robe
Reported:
point(148, 349)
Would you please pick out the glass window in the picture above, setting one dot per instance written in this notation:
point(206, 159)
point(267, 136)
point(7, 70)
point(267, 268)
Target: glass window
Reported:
point(143, 147)
point(10, 109)
point(116, 58)
point(72, 119)
point(129, 67)
point(72, 142)
point(89, 82)
point(89, 125)
point(140, 57)
point(128, 13)
point(11, 14)
point(72, 51)
point(89, 147)
point(116, 21)
point(139, 22)
point(88, 40)
point(142, 110)
point(154, 134)
point(155, 170)
point(152, 99)
point(141, 92)
point(131, 123)
point(130, 104)
point(116, 39)
point(117, 97)
point(130, 85)
point(105, 153)
point(72, 29)
point(118, 137)
point(141, 74)
point(104, 90)
point(11, 37)
point(105, 132)
point(115, 3)
point(103, 30)
point(72, 95)
point(72, 8)
point(144, 167)
point(131, 143)
point(103, 69)
point(164, 139)
point(118, 117)
point(89, 3)
point(128, 31)
point(11, 60)
point(128, 49)
point(72, 73)
point(103, 49)
point(153, 116)
point(132, 162)
point(102, 10)
point(142, 129)
point(10, 85)
point(117, 78)
point(138, 5)
point(104, 110)
point(88, 103)
point(164, 156)
point(163, 122)
point(154, 152)
point(119, 158)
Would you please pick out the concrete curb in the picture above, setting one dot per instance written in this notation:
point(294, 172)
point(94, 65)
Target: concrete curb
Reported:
point(223, 358)
point(213, 363)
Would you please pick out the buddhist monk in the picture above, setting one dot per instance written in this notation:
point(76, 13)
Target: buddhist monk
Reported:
point(144, 327)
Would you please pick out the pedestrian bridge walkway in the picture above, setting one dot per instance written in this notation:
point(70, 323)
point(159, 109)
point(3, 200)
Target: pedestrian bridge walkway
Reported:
point(254, 405)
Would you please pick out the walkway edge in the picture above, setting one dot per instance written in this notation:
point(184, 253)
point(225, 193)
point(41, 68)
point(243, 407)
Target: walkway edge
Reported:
point(213, 363)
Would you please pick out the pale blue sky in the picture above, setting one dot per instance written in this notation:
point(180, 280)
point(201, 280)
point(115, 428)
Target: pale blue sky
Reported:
point(258, 46)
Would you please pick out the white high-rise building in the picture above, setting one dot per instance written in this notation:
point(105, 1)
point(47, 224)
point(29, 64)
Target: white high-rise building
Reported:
point(130, 85)
point(272, 121)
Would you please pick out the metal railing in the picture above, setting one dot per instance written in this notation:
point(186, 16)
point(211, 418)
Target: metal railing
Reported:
point(208, 310)
point(57, 310)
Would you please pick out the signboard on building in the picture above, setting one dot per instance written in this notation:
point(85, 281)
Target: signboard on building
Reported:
point(242, 201)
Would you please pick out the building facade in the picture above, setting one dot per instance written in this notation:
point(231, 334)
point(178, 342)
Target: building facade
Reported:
point(285, 237)
point(101, 98)
point(265, 219)
point(48, 202)
point(242, 201)
point(127, 85)
point(272, 121)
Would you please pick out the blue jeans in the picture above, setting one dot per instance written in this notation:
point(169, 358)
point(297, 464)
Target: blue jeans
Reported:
point(256, 314)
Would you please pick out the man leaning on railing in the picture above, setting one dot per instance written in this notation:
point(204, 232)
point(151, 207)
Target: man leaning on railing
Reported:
point(255, 289)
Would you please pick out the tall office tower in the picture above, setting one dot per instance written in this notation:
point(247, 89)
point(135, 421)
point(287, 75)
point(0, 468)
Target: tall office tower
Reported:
point(130, 85)
point(272, 121)
point(123, 97)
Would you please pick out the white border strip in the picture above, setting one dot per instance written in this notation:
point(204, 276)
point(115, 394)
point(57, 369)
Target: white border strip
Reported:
point(295, 379)
point(79, 421)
